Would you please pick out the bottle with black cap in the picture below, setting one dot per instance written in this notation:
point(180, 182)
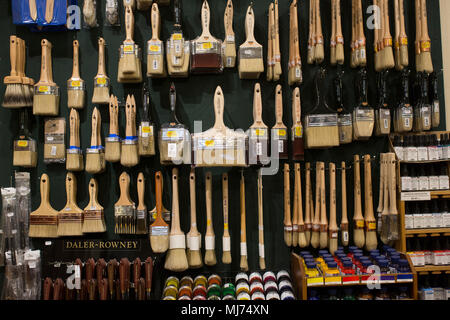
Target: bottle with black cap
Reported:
point(443, 178)
point(405, 178)
point(424, 182)
point(444, 144)
point(447, 147)
point(422, 150)
point(409, 217)
point(427, 215)
point(433, 177)
point(445, 214)
point(436, 208)
point(433, 148)
point(414, 178)
point(398, 147)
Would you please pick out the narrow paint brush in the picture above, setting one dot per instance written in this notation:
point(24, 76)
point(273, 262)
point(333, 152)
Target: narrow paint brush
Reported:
point(316, 220)
point(425, 41)
point(176, 259)
point(258, 132)
point(243, 244)
point(146, 138)
point(70, 218)
point(312, 31)
point(101, 80)
point(369, 218)
point(339, 37)
point(193, 237)
point(344, 220)
point(177, 48)
point(94, 218)
point(287, 207)
point(393, 212)
point(112, 141)
point(298, 146)
point(261, 249)
point(24, 152)
point(270, 28)
point(76, 88)
point(159, 230)
point(279, 130)
point(210, 245)
point(323, 234)
point(95, 154)
point(319, 50)
point(403, 38)
point(301, 226)
point(74, 155)
point(277, 70)
point(308, 206)
point(226, 240)
point(155, 47)
point(295, 209)
point(43, 221)
point(333, 228)
point(141, 210)
point(358, 219)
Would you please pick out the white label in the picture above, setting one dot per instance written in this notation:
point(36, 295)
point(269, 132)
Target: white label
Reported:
point(434, 182)
point(406, 122)
point(444, 153)
point(427, 220)
point(259, 149)
point(409, 221)
point(229, 61)
point(280, 146)
point(53, 151)
point(345, 234)
point(428, 257)
point(447, 148)
point(48, 243)
point(399, 152)
point(422, 153)
point(437, 220)
point(177, 241)
point(195, 243)
point(433, 153)
point(424, 183)
point(261, 250)
point(209, 242)
point(415, 196)
point(414, 183)
point(230, 38)
point(406, 183)
point(172, 150)
point(226, 243)
point(243, 248)
point(446, 220)
point(412, 154)
point(386, 123)
point(443, 183)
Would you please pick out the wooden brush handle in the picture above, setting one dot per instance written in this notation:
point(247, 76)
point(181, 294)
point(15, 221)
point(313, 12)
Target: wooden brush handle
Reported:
point(296, 36)
point(311, 37)
point(89, 269)
point(257, 105)
point(113, 116)
point(50, 4)
point(307, 193)
point(129, 118)
point(250, 25)
point(58, 289)
point(299, 194)
point(13, 55)
point(344, 218)
point(100, 270)
point(156, 21)
point(101, 58)
point(124, 185)
point(387, 31)
point(218, 109)
point(74, 125)
point(382, 177)
point(71, 190)
point(45, 66)
point(21, 59)
point(276, 47)
point(279, 107)
point(376, 30)
point(270, 28)
point(225, 204)
point(333, 223)
point(206, 16)
point(402, 19)
point(148, 275)
point(368, 199)
point(93, 192)
point(175, 226)
point(397, 23)
point(316, 220)
point(319, 35)
point(33, 10)
point(228, 20)
point(45, 192)
point(424, 22)
point(133, 115)
point(339, 36)
point(124, 269)
point(386, 183)
point(353, 42)
point(141, 191)
point(136, 272)
point(291, 36)
point(209, 217)
point(129, 24)
point(333, 23)
point(287, 196)
point(296, 107)
point(193, 200)
point(323, 203)
point(96, 122)
point(103, 289)
point(260, 212)
point(76, 60)
point(242, 205)
point(357, 191)
point(295, 205)
point(392, 184)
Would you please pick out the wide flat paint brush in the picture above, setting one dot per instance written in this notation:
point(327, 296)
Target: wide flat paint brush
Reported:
point(94, 218)
point(101, 80)
point(363, 114)
point(124, 208)
point(43, 222)
point(251, 63)
point(76, 88)
point(70, 218)
point(229, 44)
point(155, 47)
point(176, 259)
point(159, 230)
point(210, 242)
point(193, 237)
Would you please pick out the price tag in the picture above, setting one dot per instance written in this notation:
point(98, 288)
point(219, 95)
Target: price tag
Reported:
point(415, 196)
point(172, 150)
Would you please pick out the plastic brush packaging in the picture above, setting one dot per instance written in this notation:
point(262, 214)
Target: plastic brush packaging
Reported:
point(22, 183)
point(90, 14)
point(32, 275)
point(382, 112)
point(112, 13)
point(10, 226)
point(54, 146)
point(363, 114)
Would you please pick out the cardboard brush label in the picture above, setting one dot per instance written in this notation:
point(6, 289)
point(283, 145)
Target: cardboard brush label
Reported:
point(155, 48)
point(76, 85)
point(46, 90)
point(206, 47)
point(25, 145)
point(321, 120)
point(405, 118)
point(101, 82)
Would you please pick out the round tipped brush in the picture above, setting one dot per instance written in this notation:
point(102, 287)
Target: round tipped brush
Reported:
point(387, 55)
point(323, 235)
point(425, 41)
point(333, 34)
point(376, 35)
point(339, 36)
point(101, 80)
point(319, 53)
point(333, 229)
point(277, 71)
point(371, 226)
point(159, 230)
point(301, 226)
point(95, 157)
point(312, 32)
point(226, 240)
point(261, 250)
point(112, 141)
point(344, 219)
point(361, 57)
point(210, 253)
point(295, 210)
point(129, 156)
point(385, 212)
point(308, 206)
point(44, 220)
point(404, 55)
point(287, 207)
point(194, 238)
point(316, 220)
point(176, 259)
point(243, 263)
point(354, 42)
point(76, 90)
point(358, 219)
point(74, 156)
point(380, 193)
point(291, 63)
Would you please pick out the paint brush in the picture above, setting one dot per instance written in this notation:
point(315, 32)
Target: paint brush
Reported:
point(251, 63)
point(176, 259)
point(398, 63)
point(76, 88)
point(418, 20)
point(333, 228)
point(369, 218)
point(46, 92)
point(24, 153)
point(295, 209)
point(387, 55)
point(383, 112)
point(112, 141)
point(425, 41)
point(155, 47)
point(100, 269)
point(136, 276)
point(381, 193)
point(210, 254)
point(226, 240)
point(261, 249)
point(301, 226)
point(206, 56)
point(298, 146)
point(270, 30)
point(404, 112)
point(124, 208)
point(27, 83)
point(358, 219)
point(339, 37)
point(148, 266)
point(159, 230)
point(333, 34)
point(101, 80)
point(316, 220)
point(312, 32)
point(94, 219)
point(361, 57)
point(277, 71)
point(124, 277)
point(287, 207)
point(403, 38)
point(319, 51)
point(193, 237)
point(323, 233)
point(70, 218)
point(112, 275)
point(95, 155)
point(243, 244)
point(434, 89)
point(129, 155)
point(14, 94)
point(354, 42)
point(384, 233)
point(279, 130)
point(258, 132)
point(141, 210)
point(43, 221)
point(393, 213)
point(295, 64)
point(344, 220)
point(308, 207)
point(363, 114)
point(345, 122)
point(378, 27)
point(74, 155)
point(146, 137)
point(177, 48)
point(229, 45)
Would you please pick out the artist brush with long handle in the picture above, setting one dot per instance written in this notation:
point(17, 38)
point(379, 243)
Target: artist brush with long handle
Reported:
point(353, 43)
point(148, 267)
point(301, 226)
point(369, 218)
point(381, 193)
point(333, 34)
point(312, 36)
point(403, 38)
point(270, 28)
point(376, 36)
point(226, 240)
point(261, 249)
point(295, 210)
point(344, 219)
point(387, 55)
point(308, 206)
point(333, 228)
point(243, 244)
point(393, 212)
point(361, 56)
point(277, 71)
point(319, 51)
point(323, 235)
point(193, 237)
point(210, 245)
point(419, 56)
point(398, 64)
point(358, 219)
point(339, 35)
point(425, 41)
point(287, 207)
point(384, 234)
point(316, 219)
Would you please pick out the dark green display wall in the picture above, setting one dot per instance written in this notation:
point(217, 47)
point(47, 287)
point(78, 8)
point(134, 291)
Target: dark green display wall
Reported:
point(195, 102)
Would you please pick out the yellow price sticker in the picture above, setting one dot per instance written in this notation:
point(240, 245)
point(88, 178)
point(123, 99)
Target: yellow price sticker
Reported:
point(101, 80)
point(225, 225)
point(76, 83)
point(372, 226)
point(128, 48)
point(208, 222)
point(404, 41)
point(22, 143)
point(260, 132)
point(298, 131)
point(206, 45)
point(209, 143)
point(43, 89)
point(147, 129)
point(177, 36)
point(154, 48)
point(425, 45)
point(281, 133)
point(172, 134)
point(360, 224)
